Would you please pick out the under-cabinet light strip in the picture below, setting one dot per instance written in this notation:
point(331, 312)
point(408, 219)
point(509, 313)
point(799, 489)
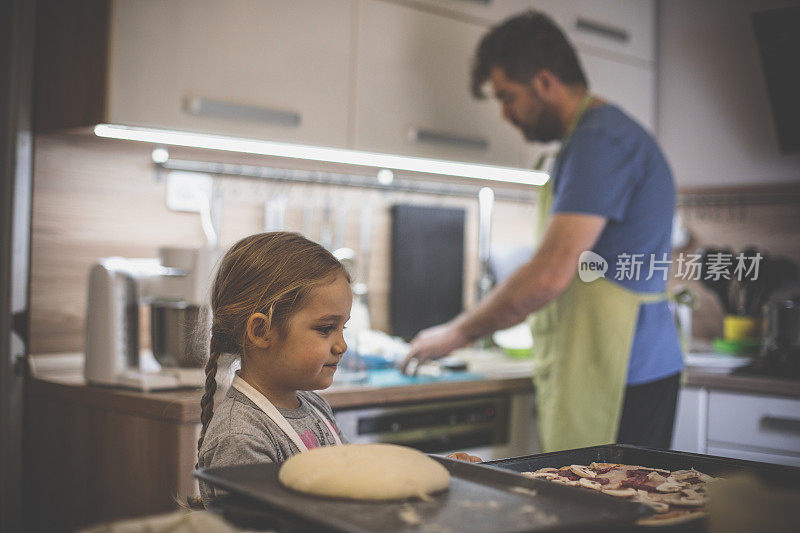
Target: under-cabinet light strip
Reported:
point(318, 153)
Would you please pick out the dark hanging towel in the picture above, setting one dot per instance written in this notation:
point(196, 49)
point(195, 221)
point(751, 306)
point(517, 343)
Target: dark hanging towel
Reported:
point(427, 267)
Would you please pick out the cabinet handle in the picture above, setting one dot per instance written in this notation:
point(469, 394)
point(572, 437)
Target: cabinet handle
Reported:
point(436, 137)
point(780, 423)
point(205, 107)
point(604, 30)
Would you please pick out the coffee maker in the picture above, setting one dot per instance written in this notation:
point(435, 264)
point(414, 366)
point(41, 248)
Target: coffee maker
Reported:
point(176, 288)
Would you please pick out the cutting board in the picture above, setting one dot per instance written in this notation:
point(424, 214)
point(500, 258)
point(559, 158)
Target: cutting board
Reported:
point(427, 265)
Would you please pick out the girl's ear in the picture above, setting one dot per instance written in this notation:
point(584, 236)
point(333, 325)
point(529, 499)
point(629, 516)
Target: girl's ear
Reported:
point(258, 330)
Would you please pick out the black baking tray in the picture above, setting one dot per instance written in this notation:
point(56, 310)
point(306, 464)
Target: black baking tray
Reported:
point(479, 499)
point(772, 475)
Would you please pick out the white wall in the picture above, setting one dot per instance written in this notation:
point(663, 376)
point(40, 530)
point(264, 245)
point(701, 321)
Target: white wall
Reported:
point(714, 119)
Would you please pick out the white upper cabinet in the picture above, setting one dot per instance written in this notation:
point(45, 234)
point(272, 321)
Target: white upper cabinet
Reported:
point(277, 69)
point(487, 11)
point(380, 75)
point(412, 89)
point(625, 28)
point(630, 87)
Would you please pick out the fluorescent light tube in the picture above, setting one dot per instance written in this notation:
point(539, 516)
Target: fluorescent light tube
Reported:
point(318, 153)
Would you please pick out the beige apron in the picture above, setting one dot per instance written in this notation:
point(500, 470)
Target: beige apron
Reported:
point(271, 411)
point(581, 345)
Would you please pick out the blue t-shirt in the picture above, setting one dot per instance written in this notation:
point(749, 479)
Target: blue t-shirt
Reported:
point(613, 168)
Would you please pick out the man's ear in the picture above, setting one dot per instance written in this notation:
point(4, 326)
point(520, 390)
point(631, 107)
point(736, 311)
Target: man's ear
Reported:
point(543, 81)
point(258, 330)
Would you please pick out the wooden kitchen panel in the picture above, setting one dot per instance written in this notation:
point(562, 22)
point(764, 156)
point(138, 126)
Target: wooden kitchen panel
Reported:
point(90, 461)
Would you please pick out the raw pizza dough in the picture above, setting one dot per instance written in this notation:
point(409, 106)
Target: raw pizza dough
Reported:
point(364, 472)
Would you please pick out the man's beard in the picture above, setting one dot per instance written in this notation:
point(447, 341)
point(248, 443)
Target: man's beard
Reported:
point(547, 127)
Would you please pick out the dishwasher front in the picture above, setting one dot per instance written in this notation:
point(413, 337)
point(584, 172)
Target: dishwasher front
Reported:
point(492, 427)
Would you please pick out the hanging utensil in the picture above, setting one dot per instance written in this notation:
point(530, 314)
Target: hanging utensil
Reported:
point(308, 218)
point(326, 236)
point(713, 278)
point(341, 226)
point(485, 203)
point(275, 212)
point(746, 281)
point(365, 244)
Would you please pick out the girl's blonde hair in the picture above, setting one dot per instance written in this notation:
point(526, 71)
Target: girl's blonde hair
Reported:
point(269, 273)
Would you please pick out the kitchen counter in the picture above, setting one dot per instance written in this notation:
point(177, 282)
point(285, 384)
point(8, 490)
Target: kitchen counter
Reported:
point(184, 405)
point(490, 372)
point(742, 383)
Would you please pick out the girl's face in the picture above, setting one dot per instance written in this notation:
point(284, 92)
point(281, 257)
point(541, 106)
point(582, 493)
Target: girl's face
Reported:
point(306, 357)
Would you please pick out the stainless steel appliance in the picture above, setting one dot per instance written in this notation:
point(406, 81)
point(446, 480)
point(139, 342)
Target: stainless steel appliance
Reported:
point(780, 348)
point(493, 426)
point(176, 287)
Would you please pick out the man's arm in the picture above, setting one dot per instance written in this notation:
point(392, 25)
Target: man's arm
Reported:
point(530, 287)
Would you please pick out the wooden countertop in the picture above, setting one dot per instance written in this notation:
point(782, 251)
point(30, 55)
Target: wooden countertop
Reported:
point(183, 406)
point(743, 383)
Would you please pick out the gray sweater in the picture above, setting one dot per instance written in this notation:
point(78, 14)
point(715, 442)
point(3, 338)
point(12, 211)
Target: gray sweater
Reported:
point(241, 433)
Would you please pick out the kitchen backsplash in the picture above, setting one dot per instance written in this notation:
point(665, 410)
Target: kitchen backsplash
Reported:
point(773, 227)
point(96, 198)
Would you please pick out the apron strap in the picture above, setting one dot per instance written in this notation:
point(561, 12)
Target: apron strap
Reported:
point(651, 297)
point(324, 418)
point(272, 412)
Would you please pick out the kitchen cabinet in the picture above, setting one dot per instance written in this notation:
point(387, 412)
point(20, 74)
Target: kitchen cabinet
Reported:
point(412, 89)
point(631, 87)
point(486, 11)
point(754, 422)
point(750, 455)
point(624, 28)
point(732, 423)
point(377, 75)
point(691, 421)
point(275, 70)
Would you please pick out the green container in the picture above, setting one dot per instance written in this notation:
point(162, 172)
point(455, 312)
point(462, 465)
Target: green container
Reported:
point(744, 346)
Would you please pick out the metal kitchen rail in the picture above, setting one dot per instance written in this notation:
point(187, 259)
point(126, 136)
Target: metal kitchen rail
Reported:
point(343, 180)
point(734, 202)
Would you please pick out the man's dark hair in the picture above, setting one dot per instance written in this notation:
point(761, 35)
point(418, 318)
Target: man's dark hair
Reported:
point(522, 46)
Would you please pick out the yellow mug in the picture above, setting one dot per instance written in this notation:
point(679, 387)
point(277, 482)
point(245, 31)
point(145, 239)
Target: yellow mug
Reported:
point(737, 327)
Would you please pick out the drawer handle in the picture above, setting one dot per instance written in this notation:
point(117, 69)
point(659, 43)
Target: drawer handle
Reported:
point(601, 29)
point(779, 423)
point(436, 137)
point(205, 107)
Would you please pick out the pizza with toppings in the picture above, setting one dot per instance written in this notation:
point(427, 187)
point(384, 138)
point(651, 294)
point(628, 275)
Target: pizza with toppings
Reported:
point(675, 497)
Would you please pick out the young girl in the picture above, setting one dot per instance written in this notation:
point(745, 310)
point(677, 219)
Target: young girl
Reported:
point(279, 302)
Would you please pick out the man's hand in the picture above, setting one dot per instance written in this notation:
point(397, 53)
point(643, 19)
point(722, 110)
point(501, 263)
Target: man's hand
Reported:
point(462, 456)
point(528, 289)
point(433, 343)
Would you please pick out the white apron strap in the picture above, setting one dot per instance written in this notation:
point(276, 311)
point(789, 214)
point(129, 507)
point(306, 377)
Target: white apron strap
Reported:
point(271, 411)
point(324, 418)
